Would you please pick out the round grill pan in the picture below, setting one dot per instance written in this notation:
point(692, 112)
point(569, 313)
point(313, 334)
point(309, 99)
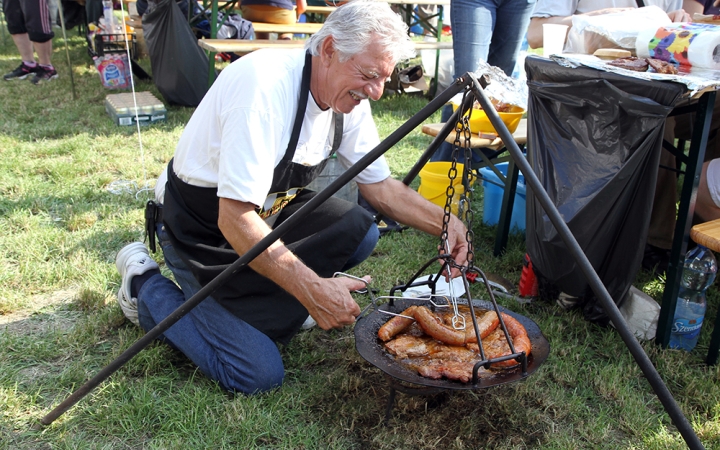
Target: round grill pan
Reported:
point(372, 350)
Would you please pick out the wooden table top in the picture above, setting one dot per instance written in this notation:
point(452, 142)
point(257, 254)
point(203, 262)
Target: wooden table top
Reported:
point(707, 234)
point(241, 46)
point(487, 141)
point(419, 2)
point(300, 28)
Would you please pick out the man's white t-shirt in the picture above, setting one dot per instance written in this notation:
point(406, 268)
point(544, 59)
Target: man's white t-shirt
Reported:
point(241, 129)
point(564, 8)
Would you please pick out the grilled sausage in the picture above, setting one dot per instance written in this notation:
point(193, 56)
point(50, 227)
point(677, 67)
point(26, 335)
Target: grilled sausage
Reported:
point(397, 324)
point(496, 345)
point(434, 326)
point(486, 324)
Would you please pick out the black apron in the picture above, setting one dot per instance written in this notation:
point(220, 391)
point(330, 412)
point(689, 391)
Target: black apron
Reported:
point(324, 241)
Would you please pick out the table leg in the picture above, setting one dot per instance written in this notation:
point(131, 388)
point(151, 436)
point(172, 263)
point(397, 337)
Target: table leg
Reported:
point(693, 168)
point(438, 30)
point(503, 228)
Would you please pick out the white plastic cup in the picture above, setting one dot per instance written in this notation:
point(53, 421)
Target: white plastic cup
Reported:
point(553, 38)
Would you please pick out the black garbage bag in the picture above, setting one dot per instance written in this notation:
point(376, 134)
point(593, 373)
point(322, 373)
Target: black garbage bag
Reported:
point(594, 141)
point(180, 67)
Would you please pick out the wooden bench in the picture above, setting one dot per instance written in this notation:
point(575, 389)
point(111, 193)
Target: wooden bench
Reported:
point(295, 28)
point(321, 10)
point(246, 46)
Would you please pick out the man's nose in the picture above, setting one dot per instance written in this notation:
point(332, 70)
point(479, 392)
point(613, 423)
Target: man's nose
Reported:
point(374, 89)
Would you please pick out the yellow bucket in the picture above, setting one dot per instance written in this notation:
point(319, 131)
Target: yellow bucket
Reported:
point(434, 181)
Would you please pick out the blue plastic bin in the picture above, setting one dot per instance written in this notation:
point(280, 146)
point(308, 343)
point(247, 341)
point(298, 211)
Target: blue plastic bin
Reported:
point(494, 190)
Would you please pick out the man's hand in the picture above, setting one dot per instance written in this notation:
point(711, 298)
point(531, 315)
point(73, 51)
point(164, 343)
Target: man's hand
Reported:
point(329, 302)
point(458, 245)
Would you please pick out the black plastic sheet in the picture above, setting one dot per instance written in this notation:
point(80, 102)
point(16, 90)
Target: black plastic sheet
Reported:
point(594, 141)
point(180, 67)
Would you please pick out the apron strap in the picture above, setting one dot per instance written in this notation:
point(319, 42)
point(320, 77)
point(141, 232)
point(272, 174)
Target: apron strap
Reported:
point(337, 137)
point(300, 115)
point(302, 106)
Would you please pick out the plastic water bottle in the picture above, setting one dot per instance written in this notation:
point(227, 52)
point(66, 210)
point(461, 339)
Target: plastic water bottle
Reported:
point(698, 273)
point(108, 16)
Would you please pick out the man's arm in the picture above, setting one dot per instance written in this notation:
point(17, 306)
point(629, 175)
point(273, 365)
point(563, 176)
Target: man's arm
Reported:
point(535, 32)
point(328, 300)
point(393, 199)
point(693, 7)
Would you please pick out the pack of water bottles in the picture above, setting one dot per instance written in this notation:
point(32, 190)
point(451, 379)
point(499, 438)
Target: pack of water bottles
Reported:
point(698, 274)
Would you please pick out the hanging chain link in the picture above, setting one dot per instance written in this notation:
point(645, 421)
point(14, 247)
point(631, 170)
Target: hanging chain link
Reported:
point(465, 213)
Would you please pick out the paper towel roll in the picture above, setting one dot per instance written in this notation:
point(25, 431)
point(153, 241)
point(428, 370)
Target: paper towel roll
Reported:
point(687, 44)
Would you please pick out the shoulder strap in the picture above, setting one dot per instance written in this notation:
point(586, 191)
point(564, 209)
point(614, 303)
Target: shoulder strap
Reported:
point(338, 134)
point(302, 106)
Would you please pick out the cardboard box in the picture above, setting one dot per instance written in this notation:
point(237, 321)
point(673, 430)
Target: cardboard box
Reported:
point(123, 110)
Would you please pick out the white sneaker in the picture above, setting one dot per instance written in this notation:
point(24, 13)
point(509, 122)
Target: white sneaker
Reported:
point(132, 260)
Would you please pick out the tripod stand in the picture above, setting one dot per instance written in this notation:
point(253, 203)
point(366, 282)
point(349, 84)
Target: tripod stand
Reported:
point(465, 83)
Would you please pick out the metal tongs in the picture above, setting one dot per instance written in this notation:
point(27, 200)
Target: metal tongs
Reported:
point(458, 320)
point(374, 300)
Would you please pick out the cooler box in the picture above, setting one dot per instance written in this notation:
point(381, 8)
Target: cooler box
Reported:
point(494, 189)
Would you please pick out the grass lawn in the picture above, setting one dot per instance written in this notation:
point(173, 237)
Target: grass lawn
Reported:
point(72, 190)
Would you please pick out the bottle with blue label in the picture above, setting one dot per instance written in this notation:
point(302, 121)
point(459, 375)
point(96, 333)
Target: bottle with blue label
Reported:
point(699, 272)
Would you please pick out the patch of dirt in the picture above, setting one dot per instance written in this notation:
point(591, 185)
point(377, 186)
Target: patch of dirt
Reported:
point(47, 312)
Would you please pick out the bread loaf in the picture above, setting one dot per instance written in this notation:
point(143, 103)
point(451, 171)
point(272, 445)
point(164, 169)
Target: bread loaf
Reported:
point(611, 53)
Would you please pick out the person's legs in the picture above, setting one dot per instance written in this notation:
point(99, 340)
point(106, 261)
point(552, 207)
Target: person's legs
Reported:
point(366, 247)
point(24, 46)
point(512, 19)
point(44, 52)
point(269, 14)
point(224, 347)
point(472, 24)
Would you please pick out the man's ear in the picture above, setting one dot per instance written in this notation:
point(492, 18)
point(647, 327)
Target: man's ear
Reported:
point(327, 50)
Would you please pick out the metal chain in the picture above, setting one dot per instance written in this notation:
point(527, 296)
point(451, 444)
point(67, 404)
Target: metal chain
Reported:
point(462, 140)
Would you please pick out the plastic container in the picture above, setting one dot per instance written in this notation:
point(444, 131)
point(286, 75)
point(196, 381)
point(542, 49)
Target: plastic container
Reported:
point(109, 19)
point(116, 43)
point(434, 181)
point(330, 173)
point(699, 272)
point(494, 190)
point(480, 123)
point(114, 70)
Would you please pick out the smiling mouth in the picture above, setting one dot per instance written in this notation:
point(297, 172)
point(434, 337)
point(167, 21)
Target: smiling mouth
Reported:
point(357, 97)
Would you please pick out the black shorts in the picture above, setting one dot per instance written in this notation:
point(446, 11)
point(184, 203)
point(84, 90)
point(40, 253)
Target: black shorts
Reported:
point(29, 16)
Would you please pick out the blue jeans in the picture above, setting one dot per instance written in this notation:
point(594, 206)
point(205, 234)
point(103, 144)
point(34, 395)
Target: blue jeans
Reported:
point(224, 347)
point(487, 30)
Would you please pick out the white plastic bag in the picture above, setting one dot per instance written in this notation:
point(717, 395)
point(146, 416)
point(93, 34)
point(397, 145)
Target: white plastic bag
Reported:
point(615, 30)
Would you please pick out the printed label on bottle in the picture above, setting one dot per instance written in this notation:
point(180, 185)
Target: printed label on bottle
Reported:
point(690, 328)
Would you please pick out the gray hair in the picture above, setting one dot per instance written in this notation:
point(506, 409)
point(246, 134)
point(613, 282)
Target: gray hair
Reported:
point(354, 24)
